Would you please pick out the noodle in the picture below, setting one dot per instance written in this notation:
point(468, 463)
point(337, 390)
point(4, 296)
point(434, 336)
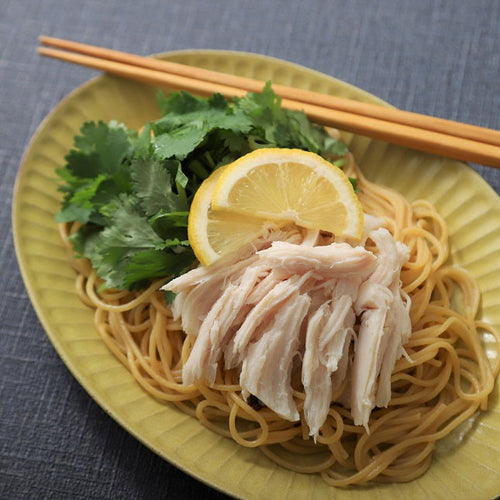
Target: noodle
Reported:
point(443, 380)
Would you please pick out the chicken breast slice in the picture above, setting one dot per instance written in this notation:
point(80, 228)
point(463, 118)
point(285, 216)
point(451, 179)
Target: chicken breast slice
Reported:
point(266, 368)
point(334, 260)
point(385, 324)
point(193, 305)
point(214, 330)
point(329, 329)
point(398, 325)
point(260, 314)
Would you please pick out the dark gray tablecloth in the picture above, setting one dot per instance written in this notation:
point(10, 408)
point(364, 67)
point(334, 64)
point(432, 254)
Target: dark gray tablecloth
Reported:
point(434, 57)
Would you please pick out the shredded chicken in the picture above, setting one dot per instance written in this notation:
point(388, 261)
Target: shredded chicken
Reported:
point(330, 331)
point(267, 364)
point(336, 308)
point(385, 328)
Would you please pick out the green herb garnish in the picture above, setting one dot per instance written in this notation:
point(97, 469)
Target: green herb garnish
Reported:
point(131, 192)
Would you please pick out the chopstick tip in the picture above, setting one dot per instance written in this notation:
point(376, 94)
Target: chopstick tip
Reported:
point(50, 40)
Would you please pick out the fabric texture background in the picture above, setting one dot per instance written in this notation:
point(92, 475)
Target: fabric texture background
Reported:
point(434, 57)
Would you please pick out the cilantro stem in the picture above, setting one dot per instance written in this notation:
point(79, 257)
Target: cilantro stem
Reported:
point(208, 157)
point(198, 169)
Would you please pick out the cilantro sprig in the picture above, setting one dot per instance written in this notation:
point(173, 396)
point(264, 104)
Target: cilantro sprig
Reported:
point(131, 192)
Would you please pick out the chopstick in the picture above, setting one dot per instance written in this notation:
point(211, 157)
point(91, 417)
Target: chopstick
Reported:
point(425, 133)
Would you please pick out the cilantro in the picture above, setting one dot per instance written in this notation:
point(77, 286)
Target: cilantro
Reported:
point(131, 192)
point(169, 297)
point(152, 183)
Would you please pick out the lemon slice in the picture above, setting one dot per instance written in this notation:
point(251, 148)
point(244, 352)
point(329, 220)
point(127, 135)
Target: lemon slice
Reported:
point(214, 233)
point(291, 185)
point(271, 187)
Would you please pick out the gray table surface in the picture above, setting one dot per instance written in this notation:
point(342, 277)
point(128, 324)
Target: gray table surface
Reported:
point(434, 57)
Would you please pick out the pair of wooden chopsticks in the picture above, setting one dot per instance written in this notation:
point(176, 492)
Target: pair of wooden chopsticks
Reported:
point(425, 133)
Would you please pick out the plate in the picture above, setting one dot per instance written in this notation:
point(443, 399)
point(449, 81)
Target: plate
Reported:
point(470, 206)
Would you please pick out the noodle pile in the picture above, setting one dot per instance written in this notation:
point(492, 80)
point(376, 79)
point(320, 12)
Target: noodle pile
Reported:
point(444, 381)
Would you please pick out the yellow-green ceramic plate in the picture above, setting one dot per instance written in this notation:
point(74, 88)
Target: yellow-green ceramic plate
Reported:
point(470, 206)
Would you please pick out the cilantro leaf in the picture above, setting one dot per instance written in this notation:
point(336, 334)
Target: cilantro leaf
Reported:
point(79, 206)
point(189, 121)
point(117, 245)
point(151, 264)
point(152, 184)
point(180, 141)
point(99, 149)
